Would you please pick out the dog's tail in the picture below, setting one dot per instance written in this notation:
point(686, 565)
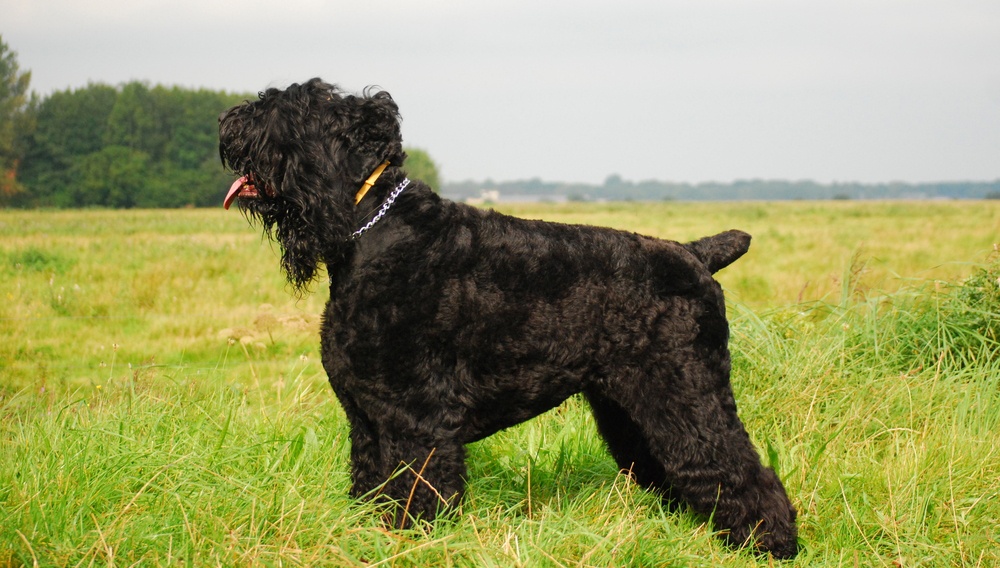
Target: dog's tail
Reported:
point(719, 251)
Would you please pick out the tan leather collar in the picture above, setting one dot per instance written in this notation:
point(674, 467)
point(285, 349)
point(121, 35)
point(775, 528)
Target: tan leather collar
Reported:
point(370, 182)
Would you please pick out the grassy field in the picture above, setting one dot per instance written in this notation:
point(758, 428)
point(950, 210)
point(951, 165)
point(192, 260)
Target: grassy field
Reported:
point(162, 400)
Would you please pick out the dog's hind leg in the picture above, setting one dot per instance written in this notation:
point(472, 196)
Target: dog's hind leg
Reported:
point(627, 444)
point(685, 420)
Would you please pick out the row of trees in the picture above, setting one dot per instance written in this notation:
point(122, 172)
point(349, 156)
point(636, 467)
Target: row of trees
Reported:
point(132, 146)
point(615, 188)
point(126, 146)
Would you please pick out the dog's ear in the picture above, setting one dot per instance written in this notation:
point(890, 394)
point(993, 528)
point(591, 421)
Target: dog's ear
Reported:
point(385, 118)
point(375, 136)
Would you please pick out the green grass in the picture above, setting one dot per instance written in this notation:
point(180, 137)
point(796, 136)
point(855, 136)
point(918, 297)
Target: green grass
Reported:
point(162, 401)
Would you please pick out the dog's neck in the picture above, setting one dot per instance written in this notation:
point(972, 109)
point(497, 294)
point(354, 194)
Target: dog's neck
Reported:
point(384, 209)
point(369, 183)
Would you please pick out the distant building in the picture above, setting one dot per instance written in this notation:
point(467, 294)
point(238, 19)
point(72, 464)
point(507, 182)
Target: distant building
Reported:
point(486, 196)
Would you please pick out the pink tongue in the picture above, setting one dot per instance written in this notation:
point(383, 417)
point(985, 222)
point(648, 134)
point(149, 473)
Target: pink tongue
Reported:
point(234, 190)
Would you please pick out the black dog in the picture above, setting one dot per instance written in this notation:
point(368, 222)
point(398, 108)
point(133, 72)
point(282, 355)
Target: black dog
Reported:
point(447, 323)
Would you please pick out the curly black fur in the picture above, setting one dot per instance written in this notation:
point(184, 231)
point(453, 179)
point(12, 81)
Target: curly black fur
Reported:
point(447, 323)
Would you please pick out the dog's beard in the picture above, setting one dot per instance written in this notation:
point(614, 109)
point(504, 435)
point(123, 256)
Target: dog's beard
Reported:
point(300, 249)
point(299, 258)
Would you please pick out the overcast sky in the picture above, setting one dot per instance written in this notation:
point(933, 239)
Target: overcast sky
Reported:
point(695, 90)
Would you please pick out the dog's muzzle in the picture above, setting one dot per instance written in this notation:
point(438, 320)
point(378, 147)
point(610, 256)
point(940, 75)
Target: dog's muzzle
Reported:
point(245, 188)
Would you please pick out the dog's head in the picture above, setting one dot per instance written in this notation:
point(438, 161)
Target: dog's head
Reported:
point(302, 153)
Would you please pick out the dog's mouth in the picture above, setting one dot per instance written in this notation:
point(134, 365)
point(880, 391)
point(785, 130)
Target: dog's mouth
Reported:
point(244, 188)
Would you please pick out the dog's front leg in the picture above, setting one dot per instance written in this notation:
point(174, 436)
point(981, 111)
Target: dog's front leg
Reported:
point(429, 478)
point(366, 464)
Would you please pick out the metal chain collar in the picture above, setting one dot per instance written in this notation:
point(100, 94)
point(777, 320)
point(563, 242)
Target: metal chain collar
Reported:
point(382, 211)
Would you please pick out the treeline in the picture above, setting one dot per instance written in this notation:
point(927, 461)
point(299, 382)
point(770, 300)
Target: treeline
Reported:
point(133, 146)
point(615, 188)
point(139, 146)
point(127, 146)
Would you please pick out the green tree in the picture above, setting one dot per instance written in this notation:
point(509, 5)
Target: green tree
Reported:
point(130, 146)
point(139, 120)
point(70, 125)
point(115, 176)
point(192, 155)
point(15, 119)
point(419, 165)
